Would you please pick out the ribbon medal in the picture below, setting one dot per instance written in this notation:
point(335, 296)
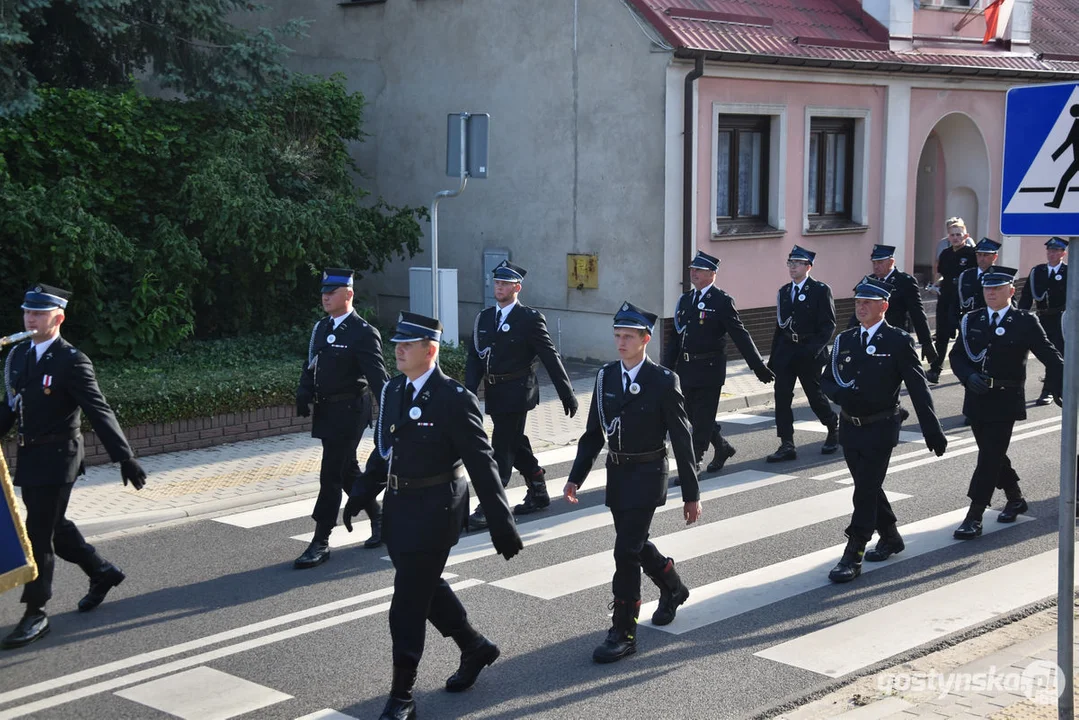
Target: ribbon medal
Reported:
point(46, 382)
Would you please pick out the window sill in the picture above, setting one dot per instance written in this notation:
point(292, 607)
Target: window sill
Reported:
point(835, 228)
point(748, 233)
point(349, 3)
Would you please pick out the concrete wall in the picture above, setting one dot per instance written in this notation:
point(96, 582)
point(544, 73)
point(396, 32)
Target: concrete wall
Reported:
point(576, 97)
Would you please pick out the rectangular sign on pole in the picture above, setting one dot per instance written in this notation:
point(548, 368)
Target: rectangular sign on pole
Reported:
point(1040, 190)
point(476, 129)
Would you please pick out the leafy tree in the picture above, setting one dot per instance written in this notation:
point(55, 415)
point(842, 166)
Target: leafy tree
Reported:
point(191, 46)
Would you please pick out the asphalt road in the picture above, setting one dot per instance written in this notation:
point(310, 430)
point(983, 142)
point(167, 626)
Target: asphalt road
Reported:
point(213, 622)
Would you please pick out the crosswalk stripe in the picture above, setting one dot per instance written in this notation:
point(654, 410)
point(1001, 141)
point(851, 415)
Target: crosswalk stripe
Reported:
point(905, 436)
point(326, 714)
point(866, 639)
point(594, 570)
point(302, 508)
point(553, 528)
point(743, 419)
point(755, 589)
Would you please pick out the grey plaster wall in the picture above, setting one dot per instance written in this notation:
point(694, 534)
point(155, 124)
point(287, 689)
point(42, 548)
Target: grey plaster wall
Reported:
point(576, 96)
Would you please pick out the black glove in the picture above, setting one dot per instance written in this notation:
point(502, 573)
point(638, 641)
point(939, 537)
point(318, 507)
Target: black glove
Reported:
point(937, 443)
point(977, 384)
point(303, 403)
point(507, 544)
point(569, 404)
point(352, 508)
point(929, 353)
point(132, 472)
point(764, 374)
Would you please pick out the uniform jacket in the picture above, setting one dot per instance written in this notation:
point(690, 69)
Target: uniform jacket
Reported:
point(812, 319)
point(637, 424)
point(1044, 291)
point(344, 370)
point(512, 350)
point(1003, 357)
point(61, 387)
point(950, 265)
point(866, 383)
point(905, 309)
point(970, 295)
point(447, 433)
point(704, 330)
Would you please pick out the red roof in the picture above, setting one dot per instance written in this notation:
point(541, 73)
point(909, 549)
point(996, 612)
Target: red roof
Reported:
point(838, 33)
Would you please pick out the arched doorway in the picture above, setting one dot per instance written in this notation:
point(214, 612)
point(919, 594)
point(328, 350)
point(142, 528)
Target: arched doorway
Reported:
point(953, 180)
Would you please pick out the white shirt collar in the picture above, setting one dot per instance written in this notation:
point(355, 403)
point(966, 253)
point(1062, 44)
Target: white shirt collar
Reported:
point(873, 330)
point(890, 273)
point(505, 310)
point(1054, 269)
point(419, 382)
point(702, 293)
point(634, 370)
point(1000, 313)
point(41, 347)
point(340, 319)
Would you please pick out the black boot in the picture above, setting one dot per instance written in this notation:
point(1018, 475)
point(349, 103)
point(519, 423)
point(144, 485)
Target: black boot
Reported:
point(622, 637)
point(1015, 506)
point(890, 543)
point(850, 565)
point(536, 497)
point(724, 451)
point(786, 451)
point(33, 626)
point(104, 579)
point(971, 526)
point(933, 376)
point(401, 706)
point(477, 520)
point(672, 593)
point(374, 512)
point(831, 443)
point(477, 652)
point(318, 551)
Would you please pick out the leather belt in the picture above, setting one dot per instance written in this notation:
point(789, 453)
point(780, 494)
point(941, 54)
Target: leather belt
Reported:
point(998, 384)
point(517, 375)
point(791, 335)
point(338, 397)
point(868, 419)
point(690, 357)
point(399, 483)
point(616, 458)
point(26, 441)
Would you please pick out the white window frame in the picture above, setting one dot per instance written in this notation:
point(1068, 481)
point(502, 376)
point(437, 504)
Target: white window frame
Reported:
point(859, 211)
point(952, 5)
point(777, 153)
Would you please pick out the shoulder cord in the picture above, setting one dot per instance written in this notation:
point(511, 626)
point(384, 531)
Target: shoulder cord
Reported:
point(1033, 287)
point(835, 366)
point(678, 307)
point(980, 357)
point(13, 400)
point(311, 345)
point(378, 432)
point(485, 353)
point(968, 302)
point(615, 427)
point(779, 318)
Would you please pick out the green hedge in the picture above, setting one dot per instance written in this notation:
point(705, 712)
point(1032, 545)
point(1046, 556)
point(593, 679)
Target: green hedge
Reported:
point(207, 378)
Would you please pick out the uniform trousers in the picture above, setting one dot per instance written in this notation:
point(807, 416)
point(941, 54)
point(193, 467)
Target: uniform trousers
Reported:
point(805, 369)
point(1051, 322)
point(512, 448)
point(339, 471)
point(52, 534)
point(702, 403)
point(420, 594)
point(947, 325)
point(633, 551)
point(872, 511)
point(994, 470)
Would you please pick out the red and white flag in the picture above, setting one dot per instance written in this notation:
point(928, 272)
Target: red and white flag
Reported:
point(997, 14)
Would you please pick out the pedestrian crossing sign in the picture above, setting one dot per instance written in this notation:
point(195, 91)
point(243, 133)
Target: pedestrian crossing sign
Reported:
point(1040, 190)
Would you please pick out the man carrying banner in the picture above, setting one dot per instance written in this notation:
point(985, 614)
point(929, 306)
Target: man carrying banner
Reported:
point(49, 384)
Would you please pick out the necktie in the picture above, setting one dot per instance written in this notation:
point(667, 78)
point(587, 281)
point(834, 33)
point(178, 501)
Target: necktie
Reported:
point(794, 292)
point(994, 320)
point(498, 319)
point(865, 339)
point(696, 297)
point(31, 360)
point(410, 392)
point(625, 383)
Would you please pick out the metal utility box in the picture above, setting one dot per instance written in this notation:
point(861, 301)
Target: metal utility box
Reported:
point(419, 298)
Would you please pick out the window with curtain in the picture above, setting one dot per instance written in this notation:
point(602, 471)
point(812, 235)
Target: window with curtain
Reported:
point(831, 168)
point(742, 171)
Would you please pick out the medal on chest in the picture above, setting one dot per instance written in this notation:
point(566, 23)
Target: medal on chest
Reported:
point(46, 384)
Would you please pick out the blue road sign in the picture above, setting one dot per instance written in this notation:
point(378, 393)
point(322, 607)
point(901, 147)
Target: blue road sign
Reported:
point(1040, 190)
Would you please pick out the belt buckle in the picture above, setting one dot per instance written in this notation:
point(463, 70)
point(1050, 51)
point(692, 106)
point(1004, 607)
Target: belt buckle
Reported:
point(392, 482)
point(855, 421)
point(614, 458)
point(794, 336)
point(21, 440)
point(685, 356)
point(989, 382)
